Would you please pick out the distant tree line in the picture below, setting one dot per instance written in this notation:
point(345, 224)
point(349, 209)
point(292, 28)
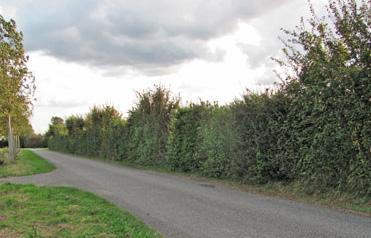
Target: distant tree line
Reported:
point(30, 140)
point(315, 127)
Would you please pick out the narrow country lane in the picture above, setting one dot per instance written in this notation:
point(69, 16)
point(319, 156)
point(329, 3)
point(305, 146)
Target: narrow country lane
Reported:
point(181, 207)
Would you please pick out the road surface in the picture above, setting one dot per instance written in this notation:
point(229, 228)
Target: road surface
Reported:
point(188, 208)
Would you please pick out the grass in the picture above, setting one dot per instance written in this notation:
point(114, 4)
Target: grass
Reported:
point(294, 191)
point(331, 199)
point(32, 212)
point(27, 163)
point(29, 211)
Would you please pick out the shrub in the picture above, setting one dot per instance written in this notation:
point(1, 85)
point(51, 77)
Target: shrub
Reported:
point(219, 138)
point(185, 141)
point(148, 126)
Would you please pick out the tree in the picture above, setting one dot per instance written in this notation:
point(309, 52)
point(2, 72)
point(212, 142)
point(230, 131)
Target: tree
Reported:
point(56, 128)
point(75, 125)
point(16, 82)
point(34, 141)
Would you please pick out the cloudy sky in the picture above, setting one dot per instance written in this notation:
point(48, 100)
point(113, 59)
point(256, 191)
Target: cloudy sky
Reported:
point(94, 52)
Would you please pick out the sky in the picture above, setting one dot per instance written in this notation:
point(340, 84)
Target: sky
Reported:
point(100, 52)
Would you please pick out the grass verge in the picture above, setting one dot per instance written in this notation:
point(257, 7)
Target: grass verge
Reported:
point(294, 191)
point(30, 211)
point(27, 163)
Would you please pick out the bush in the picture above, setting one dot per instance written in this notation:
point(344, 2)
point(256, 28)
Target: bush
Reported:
point(148, 126)
point(330, 92)
point(258, 123)
point(3, 154)
point(185, 141)
point(219, 140)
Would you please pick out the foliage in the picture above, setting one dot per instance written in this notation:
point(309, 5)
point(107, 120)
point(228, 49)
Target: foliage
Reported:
point(148, 126)
point(91, 135)
point(34, 141)
point(3, 142)
point(97, 123)
point(103, 132)
point(116, 135)
point(56, 128)
point(330, 92)
point(314, 128)
point(3, 155)
point(219, 143)
point(185, 139)
point(259, 125)
point(16, 82)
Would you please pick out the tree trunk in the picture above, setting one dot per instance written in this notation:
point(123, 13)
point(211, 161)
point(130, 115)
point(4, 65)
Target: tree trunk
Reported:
point(18, 145)
point(10, 140)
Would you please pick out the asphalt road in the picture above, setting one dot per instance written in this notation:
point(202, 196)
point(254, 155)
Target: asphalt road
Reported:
point(182, 207)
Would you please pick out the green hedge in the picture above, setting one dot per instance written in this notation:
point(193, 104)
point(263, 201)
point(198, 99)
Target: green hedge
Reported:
point(259, 139)
point(315, 127)
point(185, 140)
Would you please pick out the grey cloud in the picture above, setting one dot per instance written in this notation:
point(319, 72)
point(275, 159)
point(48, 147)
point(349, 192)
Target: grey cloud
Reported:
point(140, 34)
point(257, 56)
point(269, 26)
point(268, 78)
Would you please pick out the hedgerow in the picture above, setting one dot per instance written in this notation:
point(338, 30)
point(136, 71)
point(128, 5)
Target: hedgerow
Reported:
point(314, 127)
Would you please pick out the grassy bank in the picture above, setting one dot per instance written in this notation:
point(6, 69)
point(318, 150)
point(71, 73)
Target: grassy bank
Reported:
point(27, 163)
point(296, 191)
point(30, 211)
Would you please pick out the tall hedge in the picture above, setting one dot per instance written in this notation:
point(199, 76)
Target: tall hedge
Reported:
point(259, 123)
point(330, 98)
point(91, 135)
point(185, 140)
point(219, 143)
point(314, 128)
point(148, 126)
